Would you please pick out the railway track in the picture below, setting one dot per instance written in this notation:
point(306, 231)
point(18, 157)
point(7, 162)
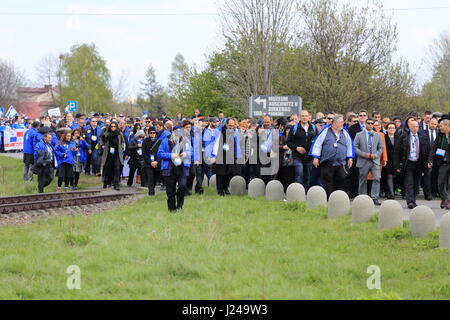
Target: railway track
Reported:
point(46, 201)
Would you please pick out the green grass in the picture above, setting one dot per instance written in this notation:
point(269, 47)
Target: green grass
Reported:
point(218, 248)
point(11, 183)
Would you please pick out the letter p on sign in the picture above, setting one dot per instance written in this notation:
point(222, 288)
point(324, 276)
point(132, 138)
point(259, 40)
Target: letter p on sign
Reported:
point(74, 281)
point(374, 281)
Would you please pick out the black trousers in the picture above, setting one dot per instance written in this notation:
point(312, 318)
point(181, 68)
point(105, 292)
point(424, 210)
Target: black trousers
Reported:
point(112, 171)
point(412, 176)
point(45, 178)
point(352, 181)
point(133, 170)
point(150, 174)
point(224, 174)
point(190, 179)
point(426, 183)
point(333, 178)
point(200, 171)
point(286, 176)
point(175, 194)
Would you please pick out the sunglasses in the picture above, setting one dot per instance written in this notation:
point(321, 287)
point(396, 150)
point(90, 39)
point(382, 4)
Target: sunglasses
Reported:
point(370, 123)
point(113, 127)
point(363, 115)
point(330, 119)
point(152, 132)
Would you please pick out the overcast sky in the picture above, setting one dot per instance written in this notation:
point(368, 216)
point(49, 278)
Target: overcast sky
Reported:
point(131, 43)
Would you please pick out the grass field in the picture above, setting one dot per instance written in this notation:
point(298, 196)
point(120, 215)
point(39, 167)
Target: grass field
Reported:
point(11, 183)
point(217, 248)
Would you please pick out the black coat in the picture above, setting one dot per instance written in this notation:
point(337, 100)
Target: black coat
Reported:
point(354, 130)
point(150, 148)
point(136, 159)
point(433, 158)
point(44, 163)
point(403, 149)
point(390, 150)
point(301, 139)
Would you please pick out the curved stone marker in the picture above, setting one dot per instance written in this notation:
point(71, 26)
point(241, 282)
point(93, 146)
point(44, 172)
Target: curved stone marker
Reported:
point(296, 193)
point(423, 221)
point(338, 205)
point(362, 209)
point(274, 191)
point(391, 215)
point(256, 188)
point(212, 182)
point(444, 237)
point(316, 197)
point(238, 186)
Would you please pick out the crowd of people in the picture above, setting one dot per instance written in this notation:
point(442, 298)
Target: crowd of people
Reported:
point(359, 153)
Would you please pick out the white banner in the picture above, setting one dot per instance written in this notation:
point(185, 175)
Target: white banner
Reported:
point(54, 112)
point(13, 139)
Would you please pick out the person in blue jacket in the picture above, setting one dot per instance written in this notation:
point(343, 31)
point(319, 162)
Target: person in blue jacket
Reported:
point(39, 135)
point(81, 148)
point(18, 123)
point(65, 151)
point(94, 133)
point(2, 129)
point(45, 163)
point(28, 151)
point(175, 154)
point(225, 154)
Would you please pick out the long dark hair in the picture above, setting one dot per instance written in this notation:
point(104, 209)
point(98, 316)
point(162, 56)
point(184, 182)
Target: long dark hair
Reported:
point(136, 128)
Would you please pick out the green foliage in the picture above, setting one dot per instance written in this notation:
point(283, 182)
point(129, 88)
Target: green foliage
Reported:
point(87, 79)
point(395, 234)
point(74, 239)
point(11, 181)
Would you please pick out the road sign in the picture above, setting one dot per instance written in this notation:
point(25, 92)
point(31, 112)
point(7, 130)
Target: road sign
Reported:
point(273, 106)
point(72, 106)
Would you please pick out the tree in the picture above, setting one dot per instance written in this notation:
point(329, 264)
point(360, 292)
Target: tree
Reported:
point(151, 92)
point(49, 72)
point(257, 34)
point(87, 78)
point(205, 91)
point(121, 90)
point(436, 93)
point(10, 80)
point(177, 82)
point(348, 58)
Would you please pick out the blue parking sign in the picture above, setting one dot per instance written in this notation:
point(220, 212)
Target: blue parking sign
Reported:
point(72, 106)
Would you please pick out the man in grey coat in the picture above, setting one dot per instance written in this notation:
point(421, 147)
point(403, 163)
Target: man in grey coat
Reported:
point(369, 147)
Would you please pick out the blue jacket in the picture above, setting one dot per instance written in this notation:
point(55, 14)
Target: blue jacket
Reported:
point(209, 139)
point(237, 146)
point(40, 135)
point(165, 154)
point(61, 150)
point(74, 126)
point(326, 147)
point(93, 132)
point(197, 142)
point(43, 157)
point(28, 141)
point(84, 146)
point(165, 134)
